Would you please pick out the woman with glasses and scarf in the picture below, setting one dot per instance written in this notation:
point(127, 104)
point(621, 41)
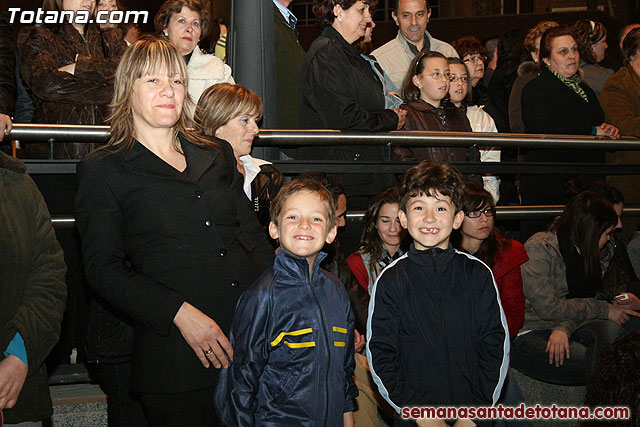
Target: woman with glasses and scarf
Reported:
point(558, 102)
point(424, 88)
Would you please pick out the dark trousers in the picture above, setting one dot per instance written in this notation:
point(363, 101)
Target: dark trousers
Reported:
point(528, 353)
point(123, 409)
point(193, 409)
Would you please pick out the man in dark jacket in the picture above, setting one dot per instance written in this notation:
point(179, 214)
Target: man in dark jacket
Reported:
point(32, 295)
point(289, 56)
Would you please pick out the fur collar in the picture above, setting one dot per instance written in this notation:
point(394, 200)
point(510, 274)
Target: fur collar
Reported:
point(11, 163)
point(528, 67)
point(205, 66)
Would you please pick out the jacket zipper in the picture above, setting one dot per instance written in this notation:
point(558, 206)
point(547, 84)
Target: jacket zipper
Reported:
point(326, 340)
point(444, 327)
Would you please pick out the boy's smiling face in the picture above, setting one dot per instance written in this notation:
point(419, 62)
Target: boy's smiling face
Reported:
point(430, 220)
point(303, 225)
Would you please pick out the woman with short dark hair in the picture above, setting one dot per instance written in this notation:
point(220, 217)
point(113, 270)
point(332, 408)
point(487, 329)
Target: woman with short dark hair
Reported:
point(472, 55)
point(340, 90)
point(185, 23)
point(558, 102)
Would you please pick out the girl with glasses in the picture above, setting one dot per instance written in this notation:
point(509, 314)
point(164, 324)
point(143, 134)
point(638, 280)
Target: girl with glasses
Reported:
point(425, 86)
point(478, 237)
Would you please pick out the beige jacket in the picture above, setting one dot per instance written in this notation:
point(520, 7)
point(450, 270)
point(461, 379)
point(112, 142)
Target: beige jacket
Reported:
point(545, 289)
point(395, 56)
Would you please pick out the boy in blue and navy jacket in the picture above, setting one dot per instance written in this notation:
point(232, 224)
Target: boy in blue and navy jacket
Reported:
point(292, 332)
point(437, 335)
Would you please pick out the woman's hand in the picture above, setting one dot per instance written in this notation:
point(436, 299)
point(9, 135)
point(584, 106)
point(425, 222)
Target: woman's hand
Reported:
point(204, 336)
point(402, 117)
point(620, 314)
point(557, 345)
point(13, 373)
point(71, 68)
point(633, 302)
point(608, 131)
point(5, 125)
point(348, 419)
point(358, 341)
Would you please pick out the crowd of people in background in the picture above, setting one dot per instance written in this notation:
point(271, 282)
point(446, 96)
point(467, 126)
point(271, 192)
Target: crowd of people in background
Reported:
point(175, 202)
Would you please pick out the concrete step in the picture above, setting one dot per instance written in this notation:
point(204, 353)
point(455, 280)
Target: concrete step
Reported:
point(78, 405)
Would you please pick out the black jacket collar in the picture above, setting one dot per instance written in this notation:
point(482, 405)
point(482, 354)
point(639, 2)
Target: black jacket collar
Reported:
point(141, 160)
point(331, 33)
point(431, 257)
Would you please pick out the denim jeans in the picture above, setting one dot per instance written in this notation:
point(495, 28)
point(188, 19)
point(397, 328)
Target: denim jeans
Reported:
point(528, 353)
point(123, 409)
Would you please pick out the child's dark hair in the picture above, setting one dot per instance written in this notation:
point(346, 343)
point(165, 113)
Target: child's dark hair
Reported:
point(430, 177)
point(476, 198)
point(297, 186)
point(334, 186)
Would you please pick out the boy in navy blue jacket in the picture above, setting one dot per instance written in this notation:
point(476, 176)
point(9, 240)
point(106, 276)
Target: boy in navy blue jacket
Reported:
point(436, 333)
point(292, 332)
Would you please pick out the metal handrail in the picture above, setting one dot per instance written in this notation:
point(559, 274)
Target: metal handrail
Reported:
point(290, 138)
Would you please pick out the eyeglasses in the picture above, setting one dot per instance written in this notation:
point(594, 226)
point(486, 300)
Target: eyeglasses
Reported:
point(453, 78)
point(440, 76)
point(477, 214)
point(475, 58)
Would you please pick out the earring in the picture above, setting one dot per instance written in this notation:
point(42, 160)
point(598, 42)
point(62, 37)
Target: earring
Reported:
point(339, 19)
point(166, 34)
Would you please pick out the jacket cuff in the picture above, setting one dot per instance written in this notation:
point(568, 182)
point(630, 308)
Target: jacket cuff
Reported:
point(16, 347)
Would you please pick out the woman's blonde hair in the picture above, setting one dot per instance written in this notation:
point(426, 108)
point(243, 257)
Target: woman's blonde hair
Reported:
point(147, 56)
point(223, 102)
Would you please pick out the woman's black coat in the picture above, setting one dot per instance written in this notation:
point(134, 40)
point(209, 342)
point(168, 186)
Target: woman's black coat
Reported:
point(153, 238)
point(340, 90)
point(551, 107)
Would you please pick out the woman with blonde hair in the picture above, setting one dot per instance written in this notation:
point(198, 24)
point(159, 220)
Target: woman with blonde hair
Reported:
point(151, 208)
point(232, 112)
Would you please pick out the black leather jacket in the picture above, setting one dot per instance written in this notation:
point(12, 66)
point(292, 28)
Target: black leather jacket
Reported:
point(339, 90)
point(63, 98)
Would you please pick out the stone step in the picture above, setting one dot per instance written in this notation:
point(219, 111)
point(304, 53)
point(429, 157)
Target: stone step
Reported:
point(78, 405)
